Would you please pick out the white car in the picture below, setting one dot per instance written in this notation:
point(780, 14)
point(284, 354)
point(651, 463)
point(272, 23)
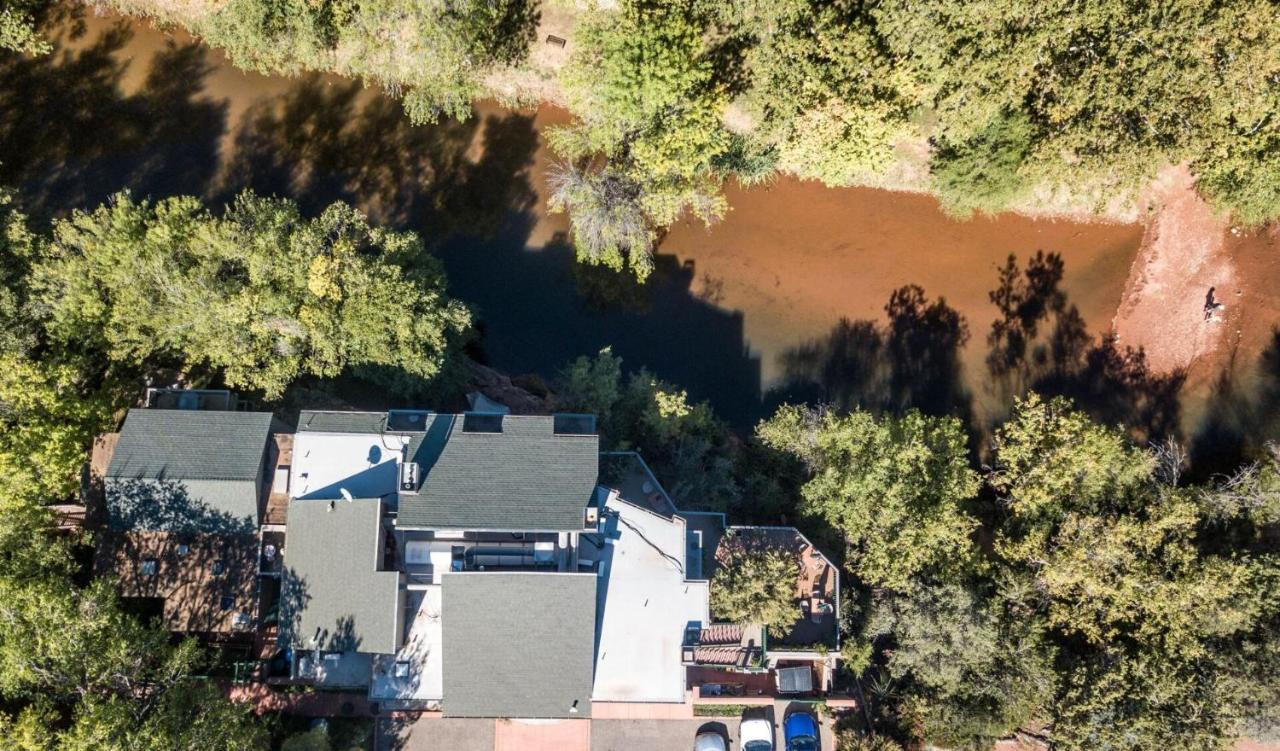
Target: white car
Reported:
point(709, 742)
point(756, 735)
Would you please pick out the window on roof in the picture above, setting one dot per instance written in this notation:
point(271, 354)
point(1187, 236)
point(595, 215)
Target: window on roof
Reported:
point(150, 567)
point(227, 602)
point(482, 422)
point(567, 424)
point(183, 548)
point(219, 568)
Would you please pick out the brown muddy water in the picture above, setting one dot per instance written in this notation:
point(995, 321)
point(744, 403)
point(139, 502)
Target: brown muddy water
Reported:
point(745, 313)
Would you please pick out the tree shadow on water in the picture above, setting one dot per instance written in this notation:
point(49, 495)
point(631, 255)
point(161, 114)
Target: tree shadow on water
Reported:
point(323, 142)
point(1039, 342)
point(912, 362)
point(1241, 414)
point(540, 309)
point(70, 136)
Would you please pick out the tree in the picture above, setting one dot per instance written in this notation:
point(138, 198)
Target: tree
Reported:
point(651, 93)
point(982, 173)
point(1155, 623)
point(610, 227)
point(978, 667)
point(47, 422)
point(436, 55)
point(756, 585)
point(18, 31)
point(852, 740)
point(824, 91)
point(260, 294)
point(894, 486)
point(1112, 90)
point(189, 715)
point(591, 385)
point(692, 451)
point(79, 672)
point(18, 246)
point(1051, 461)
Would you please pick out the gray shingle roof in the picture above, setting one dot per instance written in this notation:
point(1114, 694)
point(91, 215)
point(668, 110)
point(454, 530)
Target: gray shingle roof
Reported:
point(341, 422)
point(331, 582)
point(191, 445)
point(518, 644)
point(525, 477)
point(188, 471)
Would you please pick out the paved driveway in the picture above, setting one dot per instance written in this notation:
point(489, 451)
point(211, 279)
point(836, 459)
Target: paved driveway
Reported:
point(657, 735)
point(434, 734)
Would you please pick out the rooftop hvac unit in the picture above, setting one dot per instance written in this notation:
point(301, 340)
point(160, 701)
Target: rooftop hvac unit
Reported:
point(409, 472)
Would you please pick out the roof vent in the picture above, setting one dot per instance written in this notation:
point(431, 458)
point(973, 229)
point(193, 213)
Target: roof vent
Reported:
point(481, 422)
point(408, 420)
point(568, 424)
point(409, 473)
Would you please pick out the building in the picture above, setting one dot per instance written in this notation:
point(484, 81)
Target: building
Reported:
point(470, 563)
point(182, 494)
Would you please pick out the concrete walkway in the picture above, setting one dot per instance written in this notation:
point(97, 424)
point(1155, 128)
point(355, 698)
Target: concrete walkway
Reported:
point(430, 732)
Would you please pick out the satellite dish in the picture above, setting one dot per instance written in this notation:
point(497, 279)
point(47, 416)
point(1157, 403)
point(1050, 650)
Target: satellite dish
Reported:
point(346, 494)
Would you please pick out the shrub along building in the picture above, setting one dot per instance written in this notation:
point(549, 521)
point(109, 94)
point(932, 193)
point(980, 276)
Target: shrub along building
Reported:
point(472, 564)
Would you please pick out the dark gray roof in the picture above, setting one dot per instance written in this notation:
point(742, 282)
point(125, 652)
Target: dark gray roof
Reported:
point(341, 422)
point(181, 444)
point(331, 582)
point(188, 471)
point(518, 644)
point(526, 477)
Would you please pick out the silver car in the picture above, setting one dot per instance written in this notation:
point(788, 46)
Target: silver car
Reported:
point(709, 741)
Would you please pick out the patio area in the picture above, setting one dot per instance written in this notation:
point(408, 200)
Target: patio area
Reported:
point(816, 587)
point(414, 674)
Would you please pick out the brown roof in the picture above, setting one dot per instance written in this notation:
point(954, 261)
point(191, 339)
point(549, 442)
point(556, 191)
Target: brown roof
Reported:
point(193, 574)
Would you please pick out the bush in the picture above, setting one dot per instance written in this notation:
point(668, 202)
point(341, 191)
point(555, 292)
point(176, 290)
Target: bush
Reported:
point(756, 585)
point(984, 173)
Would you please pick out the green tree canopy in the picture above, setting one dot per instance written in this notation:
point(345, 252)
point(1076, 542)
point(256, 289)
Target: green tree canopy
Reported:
point(259, 293)
point(79, 673)
point(692, 452)
point(18, 31)
point(1112, 89)
point(894, 486)
point(648, 82)
point(756, 585)
point(1155, 621)
point(980, 667)
point(437, 55)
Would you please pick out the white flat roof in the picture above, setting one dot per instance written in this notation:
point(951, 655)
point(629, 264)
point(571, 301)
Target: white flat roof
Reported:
point(643, 606)
point(367, 465)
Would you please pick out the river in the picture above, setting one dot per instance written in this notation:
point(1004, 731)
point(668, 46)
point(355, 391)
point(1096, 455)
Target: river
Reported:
point(744, 313)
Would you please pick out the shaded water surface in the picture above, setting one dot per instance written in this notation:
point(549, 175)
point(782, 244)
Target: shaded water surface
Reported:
point(855, 296)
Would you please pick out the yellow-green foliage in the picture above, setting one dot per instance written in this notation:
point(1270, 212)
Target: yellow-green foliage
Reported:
point(260, 294)
point(893, 486)
point(435, 54)
point(756, 585)
point(646, 84)
point(18, 31)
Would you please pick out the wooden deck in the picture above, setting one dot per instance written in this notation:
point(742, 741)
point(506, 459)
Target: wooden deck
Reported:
point(276, 508)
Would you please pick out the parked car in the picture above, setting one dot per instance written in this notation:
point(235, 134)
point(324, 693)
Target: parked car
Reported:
point(800, 730)
point(709, 741)
point(756, 735)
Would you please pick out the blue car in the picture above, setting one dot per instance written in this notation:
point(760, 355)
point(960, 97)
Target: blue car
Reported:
point(801, 732)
